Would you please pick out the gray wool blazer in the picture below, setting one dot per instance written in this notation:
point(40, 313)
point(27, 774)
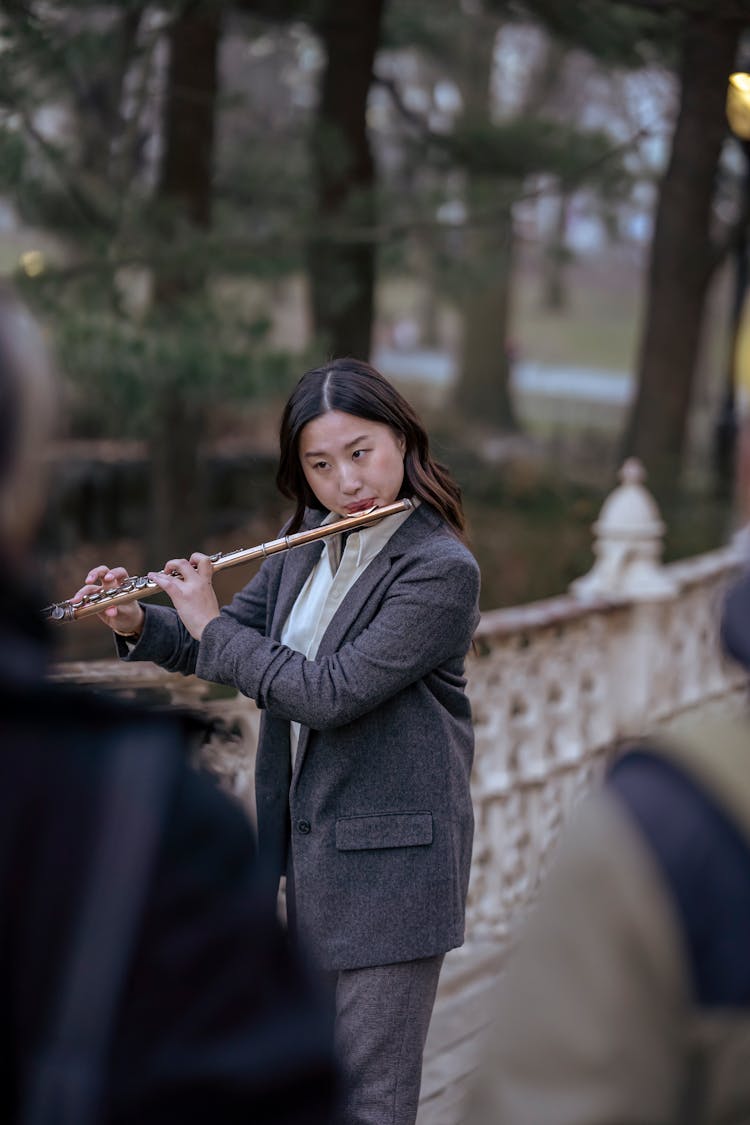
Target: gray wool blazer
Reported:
point(377, 813)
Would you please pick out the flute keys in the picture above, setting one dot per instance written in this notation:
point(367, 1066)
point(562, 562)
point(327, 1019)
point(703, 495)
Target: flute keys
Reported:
point(55, 612)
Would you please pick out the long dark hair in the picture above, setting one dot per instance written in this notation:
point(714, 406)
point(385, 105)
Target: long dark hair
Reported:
point(356, 388)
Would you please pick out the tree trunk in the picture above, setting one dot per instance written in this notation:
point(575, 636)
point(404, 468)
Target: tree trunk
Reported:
point(184, 195)
point(554, 298)
point(185, 189)
point(177, 497)
point(681, 255)
point(342, 272)
point(482, 391)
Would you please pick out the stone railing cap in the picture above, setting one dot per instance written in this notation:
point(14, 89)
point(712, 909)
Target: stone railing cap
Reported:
point(630, 511)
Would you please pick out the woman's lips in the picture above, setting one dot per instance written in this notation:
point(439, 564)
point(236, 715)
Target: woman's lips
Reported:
point(361, 506)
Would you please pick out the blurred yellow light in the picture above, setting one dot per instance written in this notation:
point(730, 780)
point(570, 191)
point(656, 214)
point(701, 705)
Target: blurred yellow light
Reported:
point(738, 104)
point(32, 262)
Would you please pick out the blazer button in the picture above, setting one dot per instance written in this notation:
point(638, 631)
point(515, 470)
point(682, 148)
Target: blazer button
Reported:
point(303, 826)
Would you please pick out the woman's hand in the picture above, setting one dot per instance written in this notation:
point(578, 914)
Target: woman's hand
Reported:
point(188, 583)
point(126, 620)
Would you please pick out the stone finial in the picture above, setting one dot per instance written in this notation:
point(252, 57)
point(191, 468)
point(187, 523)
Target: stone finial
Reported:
point(628, 539)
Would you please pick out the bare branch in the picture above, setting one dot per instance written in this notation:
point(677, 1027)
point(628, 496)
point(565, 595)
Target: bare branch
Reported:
point(412, 118)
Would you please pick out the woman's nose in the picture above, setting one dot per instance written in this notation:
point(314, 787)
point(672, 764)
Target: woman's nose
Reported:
point(349, 479)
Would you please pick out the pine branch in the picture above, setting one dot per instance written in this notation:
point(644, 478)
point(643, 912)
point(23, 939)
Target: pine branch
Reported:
point(730, 10)
point(81, 200)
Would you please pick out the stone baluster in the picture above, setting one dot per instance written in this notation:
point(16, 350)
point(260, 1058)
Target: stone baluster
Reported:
point(628, 569)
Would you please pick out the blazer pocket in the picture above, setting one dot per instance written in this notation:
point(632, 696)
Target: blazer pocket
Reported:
point(387, 830)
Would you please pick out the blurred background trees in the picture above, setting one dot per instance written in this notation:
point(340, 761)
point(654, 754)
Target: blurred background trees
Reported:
point(497, 200)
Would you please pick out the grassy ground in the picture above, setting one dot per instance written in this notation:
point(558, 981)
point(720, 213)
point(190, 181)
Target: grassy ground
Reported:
point(598, 326)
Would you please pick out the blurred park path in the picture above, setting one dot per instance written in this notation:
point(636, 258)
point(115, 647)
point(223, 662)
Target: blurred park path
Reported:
point(529, 377)
point(587, 395)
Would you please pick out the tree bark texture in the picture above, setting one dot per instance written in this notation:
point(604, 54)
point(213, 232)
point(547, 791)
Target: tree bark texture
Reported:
point(342, 266)
point(190, 111)
point(554, 296)
point(482, 390)
point(682, 255)
point(184, 195)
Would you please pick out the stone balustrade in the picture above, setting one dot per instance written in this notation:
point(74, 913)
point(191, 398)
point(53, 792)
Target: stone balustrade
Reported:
point(229, 750)
point(554, 686)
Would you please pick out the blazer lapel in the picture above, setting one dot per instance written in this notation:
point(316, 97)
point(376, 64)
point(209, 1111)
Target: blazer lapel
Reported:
point(297, 566)
point(340, 624)
point(411, 533)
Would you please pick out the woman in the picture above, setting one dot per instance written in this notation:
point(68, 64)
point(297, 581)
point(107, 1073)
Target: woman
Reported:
point(355, 652)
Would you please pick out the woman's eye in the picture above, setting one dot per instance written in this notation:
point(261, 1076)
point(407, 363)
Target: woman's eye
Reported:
point(320, 464)
point(359, 452)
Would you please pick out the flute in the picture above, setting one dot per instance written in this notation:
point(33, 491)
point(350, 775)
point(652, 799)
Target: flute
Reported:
point(144, 587)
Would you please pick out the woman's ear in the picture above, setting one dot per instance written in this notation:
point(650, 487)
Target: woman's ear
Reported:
point(402, 444)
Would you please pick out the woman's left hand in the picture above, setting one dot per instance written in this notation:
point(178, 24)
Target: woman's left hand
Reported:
point(188, 583)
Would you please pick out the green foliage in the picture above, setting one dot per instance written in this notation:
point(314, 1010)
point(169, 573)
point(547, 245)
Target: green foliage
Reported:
point(12, 160)
point(426, 25)
point(66, 47)
point(93, 186)
point(118, 371)
point(617, 33)
point(524, 146)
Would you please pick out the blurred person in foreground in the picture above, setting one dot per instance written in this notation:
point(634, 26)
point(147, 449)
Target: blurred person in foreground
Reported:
point(627, 997)
point(139, 983)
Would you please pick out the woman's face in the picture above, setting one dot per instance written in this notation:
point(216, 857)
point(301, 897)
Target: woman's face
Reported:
point(350, 463)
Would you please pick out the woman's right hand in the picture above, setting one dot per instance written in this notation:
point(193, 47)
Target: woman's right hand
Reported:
point(124, 619)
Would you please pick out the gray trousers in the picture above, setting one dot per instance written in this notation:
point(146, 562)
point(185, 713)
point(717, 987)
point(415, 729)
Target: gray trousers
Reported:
point(382, 1017)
